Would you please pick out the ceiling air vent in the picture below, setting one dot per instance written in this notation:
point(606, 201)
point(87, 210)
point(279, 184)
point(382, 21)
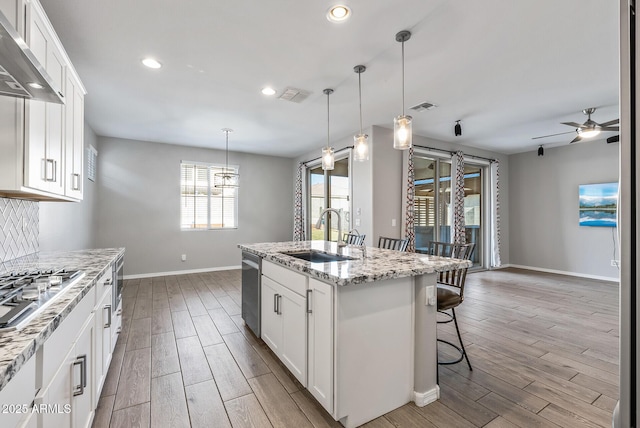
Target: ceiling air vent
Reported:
point(424, 106)
point(294, 95)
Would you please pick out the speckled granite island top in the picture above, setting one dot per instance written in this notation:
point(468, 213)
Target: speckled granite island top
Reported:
point(16, 347)
point(378, 265)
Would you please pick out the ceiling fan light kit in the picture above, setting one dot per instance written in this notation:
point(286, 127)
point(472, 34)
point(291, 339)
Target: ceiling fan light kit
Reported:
point(589, 129)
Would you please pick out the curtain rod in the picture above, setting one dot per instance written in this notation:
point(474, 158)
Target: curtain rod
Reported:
point(453, 152)
point(318, 158)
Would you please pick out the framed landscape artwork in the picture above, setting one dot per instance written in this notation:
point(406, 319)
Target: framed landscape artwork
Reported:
point(598, 204)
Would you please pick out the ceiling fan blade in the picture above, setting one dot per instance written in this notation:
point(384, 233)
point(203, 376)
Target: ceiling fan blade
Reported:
point(575, 140)
point(575, 125)
point(610, 128)
point(553, 135)
point(611, 122)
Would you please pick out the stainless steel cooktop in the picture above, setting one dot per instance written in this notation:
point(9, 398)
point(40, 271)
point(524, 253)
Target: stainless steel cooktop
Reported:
point(23, 295)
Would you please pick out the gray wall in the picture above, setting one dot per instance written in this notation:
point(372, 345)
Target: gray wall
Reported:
point(543, 206)
point(70, 225)
point(139, 206)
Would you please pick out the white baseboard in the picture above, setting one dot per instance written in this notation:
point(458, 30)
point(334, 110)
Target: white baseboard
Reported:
point(423, 398)
point(180, 272)
point(561, 272)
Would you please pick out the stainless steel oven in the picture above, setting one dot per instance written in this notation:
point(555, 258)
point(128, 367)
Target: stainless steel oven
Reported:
point(118, 281)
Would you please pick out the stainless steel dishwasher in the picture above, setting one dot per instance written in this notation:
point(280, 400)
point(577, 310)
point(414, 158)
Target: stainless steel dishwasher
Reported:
point(251, 271)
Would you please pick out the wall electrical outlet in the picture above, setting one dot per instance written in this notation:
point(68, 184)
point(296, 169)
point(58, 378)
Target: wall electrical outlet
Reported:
point(431, 295)
point(184, 258)
point(393, 222)
point(615, 263)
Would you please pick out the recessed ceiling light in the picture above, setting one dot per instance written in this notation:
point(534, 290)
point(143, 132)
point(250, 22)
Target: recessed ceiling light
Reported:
point(338, 13)
point(268, 91)
point(151, 63)
point(35, 85)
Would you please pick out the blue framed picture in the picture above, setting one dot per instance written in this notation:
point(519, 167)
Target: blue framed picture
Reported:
point(598, 204)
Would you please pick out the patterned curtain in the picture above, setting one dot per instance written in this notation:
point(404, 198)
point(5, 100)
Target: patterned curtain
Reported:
point(298, 212)
point(457, 160)
point(495, 214)
point(408, 225)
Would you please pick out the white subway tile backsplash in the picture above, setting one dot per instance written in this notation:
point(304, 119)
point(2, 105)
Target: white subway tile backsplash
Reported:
point(19, 226)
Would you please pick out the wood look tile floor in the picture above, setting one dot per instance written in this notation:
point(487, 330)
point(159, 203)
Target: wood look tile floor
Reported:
point(544, 349)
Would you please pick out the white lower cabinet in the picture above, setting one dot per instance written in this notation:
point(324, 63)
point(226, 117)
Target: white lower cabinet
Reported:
point(320, 341)
point(67, 400)
point(284, 322)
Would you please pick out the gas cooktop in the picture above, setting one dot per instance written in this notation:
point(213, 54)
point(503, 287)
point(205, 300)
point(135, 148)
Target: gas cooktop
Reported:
point(25, 294)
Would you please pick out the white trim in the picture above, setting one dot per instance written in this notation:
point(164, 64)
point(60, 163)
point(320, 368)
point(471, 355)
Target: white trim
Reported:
point(180, 272)
point(421, 399)
point(561, 272)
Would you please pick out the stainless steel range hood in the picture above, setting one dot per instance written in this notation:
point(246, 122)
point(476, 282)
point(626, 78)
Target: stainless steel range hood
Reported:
point(21, 75)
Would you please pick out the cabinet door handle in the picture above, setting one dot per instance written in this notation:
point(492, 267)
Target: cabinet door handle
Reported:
point(275, 303)
point(76, 181)
point(81, 360)
point(49, 167)
point(309, 311)
point(108, 308)
point(279, 301)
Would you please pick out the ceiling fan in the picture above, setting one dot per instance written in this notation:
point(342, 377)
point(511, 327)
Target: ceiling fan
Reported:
point(589, 129)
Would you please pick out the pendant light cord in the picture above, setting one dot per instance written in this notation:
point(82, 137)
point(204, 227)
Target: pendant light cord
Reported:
point(227, 153)
point(328, 140)
point(360, 98)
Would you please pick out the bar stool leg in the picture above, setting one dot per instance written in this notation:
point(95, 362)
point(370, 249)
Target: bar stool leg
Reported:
point(464, 351)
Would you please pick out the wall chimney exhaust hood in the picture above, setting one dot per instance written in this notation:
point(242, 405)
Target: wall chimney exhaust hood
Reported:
point(21, 75)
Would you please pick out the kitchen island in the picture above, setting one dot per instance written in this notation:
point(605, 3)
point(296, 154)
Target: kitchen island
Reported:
point(358, 333)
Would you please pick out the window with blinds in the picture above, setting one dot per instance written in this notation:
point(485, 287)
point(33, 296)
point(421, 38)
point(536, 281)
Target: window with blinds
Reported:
point(203, 206)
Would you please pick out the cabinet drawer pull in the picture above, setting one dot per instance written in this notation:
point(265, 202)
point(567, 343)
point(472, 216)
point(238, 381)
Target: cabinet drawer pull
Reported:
point(108, 308)
point(309, 301)
point(81, 360)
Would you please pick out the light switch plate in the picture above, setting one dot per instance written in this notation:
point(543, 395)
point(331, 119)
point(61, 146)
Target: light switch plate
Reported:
point(431, 295)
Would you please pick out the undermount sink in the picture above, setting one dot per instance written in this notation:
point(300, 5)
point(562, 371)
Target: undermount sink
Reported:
point(318, 256)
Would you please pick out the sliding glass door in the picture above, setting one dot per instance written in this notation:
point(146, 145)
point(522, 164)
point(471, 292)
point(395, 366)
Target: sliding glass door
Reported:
point(329, 189)
point(432, 203)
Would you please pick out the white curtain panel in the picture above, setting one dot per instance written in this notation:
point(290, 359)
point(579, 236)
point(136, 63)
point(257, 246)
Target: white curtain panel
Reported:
point(409, 214)
point(457, 161)
point(298, 211)
point(495, 214)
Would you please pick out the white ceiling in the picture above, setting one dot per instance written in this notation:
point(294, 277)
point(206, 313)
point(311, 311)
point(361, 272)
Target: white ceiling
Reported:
point(510, 70)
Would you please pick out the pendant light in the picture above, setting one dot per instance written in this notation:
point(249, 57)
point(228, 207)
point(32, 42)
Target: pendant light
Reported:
point(360, 141)
point(227, 179)
point(402, 124)
point(328, 157)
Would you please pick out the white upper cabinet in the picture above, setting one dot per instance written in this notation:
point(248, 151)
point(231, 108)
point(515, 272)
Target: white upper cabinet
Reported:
point(42, 143)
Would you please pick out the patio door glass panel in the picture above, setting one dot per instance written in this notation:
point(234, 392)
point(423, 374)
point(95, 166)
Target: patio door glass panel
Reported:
point(329, 189)
point(432, 203)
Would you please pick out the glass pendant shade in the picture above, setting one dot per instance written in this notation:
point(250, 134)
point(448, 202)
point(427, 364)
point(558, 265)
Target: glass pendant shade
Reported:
point(361, 147)
point(402, 135)
point(328, 158)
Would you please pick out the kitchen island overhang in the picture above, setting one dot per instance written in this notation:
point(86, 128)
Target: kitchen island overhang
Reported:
point(383, 327)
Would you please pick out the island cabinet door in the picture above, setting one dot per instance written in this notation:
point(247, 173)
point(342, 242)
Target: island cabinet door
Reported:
point(271, 321)
point(320, 304)
point(294, 334)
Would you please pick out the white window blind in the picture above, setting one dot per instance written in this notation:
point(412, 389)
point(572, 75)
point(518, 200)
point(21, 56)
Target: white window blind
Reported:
point(203, 206)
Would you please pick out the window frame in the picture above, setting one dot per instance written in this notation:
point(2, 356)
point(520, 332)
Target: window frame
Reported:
point(212, 168)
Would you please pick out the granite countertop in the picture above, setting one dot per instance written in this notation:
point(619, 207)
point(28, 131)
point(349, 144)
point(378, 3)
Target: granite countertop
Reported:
point(378, 265)
point(16, 347)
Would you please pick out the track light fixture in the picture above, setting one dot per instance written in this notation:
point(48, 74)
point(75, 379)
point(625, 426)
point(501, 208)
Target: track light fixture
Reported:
point(540, 151)
point(457, 129)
